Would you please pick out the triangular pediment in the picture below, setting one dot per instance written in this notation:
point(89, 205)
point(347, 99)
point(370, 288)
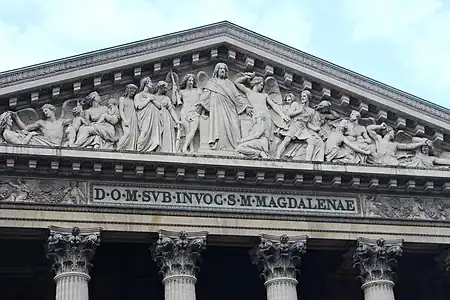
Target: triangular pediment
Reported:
point(67, 82)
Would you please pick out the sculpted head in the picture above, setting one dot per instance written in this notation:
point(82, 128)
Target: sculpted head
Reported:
point(289, 98)
point(220, 71)
point(323, 106)
point(93, 99)
point(77, 111)
point(145, 82)
point(189, 81)
point(48, 110)
point(341, 126)
point(161, 87)
point(130, 91)
point(389, 132)
point(257, 83)
point(305, 96)
point(355, 115)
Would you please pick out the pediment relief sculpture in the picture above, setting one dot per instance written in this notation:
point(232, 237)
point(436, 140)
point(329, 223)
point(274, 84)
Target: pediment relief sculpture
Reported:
point(241, 114)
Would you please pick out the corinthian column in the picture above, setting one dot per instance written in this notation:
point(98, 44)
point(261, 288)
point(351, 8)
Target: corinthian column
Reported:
point(71, 251)
point(177, 255)
point(376, 260)
point(279, 259)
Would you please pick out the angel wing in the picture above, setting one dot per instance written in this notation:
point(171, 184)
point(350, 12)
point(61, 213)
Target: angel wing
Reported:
point(28, 116)
point(202, 79)
point(272, 89)
point(67, 108)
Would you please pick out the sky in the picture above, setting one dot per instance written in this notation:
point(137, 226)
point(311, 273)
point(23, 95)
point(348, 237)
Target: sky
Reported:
point(402, 43)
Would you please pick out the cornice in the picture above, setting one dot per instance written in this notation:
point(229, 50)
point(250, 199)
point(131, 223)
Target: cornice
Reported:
point(225, 29)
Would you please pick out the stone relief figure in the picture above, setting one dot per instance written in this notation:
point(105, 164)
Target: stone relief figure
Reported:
point(424, 156)
point(148, 111)
point(246, 116)
point(127, 111)
point(189, 97)
point(302, 129)
point(356, 133)
point(385, 146)
point(323, 117)
point(333, 146)
point(222, 100)
point(394, 207)
point(14, 190)
point(101, 131)
point(257, 143)
point(170, 121)
point(77, 121)
point(51, 127)
point(11, 136)
point(73, 194)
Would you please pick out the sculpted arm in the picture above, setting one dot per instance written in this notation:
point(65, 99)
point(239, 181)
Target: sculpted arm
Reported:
point(409, 146)
point(14, 138)
point(276, 109)
point(295, 110)
point(240, 84)
point(441, 161)
point(371, 131)
point(30, 127)
point(355, 147)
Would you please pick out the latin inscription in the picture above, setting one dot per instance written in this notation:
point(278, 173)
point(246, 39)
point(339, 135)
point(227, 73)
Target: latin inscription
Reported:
point(160, 197)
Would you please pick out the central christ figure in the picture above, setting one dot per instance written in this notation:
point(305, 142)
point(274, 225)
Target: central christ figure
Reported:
point(222, 100)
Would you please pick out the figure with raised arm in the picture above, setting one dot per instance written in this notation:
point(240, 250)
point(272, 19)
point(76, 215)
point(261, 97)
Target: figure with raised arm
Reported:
point(51, 127)
point(301, 128)
point(385, 146)
point(190, 117)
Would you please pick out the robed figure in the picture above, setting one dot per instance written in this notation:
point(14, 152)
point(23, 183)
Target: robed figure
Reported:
point(224, 103)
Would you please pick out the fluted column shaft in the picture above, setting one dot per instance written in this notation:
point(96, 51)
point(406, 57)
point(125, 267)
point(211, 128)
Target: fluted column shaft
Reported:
point(376, 260)
point(71, 251)
point(177, 254)
point(279, 260)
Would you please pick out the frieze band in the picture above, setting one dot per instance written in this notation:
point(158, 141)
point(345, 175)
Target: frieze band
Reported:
point(193, 198)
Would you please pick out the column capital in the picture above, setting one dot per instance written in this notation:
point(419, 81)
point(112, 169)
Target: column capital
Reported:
point(376, 259)
point(72, 249)
point(279, 256)
point(177, 253)
point(443, 261)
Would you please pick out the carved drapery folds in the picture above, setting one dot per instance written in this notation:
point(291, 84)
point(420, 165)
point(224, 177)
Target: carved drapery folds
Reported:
point(177, 253)
point(377, 259)
point(243, 115)
point(72, 250)
point(279, 256)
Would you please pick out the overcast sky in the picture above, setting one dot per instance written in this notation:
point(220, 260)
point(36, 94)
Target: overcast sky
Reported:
point(403, 43)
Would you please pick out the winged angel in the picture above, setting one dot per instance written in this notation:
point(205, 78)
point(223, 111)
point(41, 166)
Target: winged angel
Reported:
point(265, 98)
point(46, 131)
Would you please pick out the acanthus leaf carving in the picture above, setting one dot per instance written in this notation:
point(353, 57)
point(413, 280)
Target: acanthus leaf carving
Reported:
point(377, 259)
point(178, 253)
point(279, 257)
point(72, 250)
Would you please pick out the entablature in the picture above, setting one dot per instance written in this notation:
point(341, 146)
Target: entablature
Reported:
point(150, 167)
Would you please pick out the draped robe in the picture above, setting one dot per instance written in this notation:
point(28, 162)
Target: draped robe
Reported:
point(224, 103)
